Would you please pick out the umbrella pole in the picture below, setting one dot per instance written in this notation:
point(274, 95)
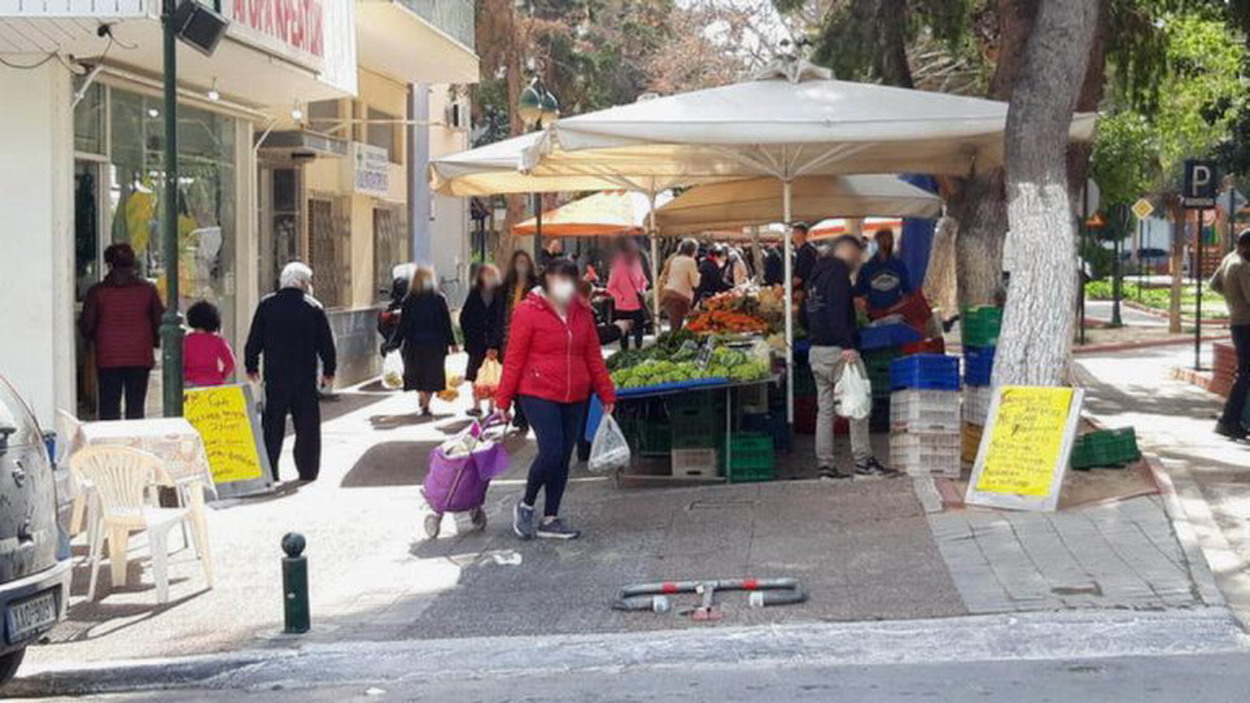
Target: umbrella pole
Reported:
point(655, 271)
point(788, 263)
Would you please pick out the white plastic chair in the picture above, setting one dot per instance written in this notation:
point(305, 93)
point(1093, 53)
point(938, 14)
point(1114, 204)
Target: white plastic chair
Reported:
point(123, 478)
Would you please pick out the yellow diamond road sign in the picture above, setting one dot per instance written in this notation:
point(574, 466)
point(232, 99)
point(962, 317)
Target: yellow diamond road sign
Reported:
point(1142, 208)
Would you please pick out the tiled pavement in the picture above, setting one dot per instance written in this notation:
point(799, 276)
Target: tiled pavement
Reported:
point(1117, 555)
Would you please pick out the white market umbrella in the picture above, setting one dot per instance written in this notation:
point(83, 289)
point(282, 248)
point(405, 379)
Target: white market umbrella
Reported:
point(791, 120)
point(758, 201)
point(603, 214)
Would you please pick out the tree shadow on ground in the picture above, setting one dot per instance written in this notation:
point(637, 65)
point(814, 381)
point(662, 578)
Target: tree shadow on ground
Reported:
point(390, 464)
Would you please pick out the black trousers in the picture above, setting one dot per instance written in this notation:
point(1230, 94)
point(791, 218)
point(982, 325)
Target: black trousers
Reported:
point(1236, 403)
point(114, 381)
point(301, 401)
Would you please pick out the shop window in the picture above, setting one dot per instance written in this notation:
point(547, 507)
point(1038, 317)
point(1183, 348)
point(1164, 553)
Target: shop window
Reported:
point(391, 245)
point(384, 130)
point(206, 196)
point(89, 120)
point(326, 116)
point(330, 249)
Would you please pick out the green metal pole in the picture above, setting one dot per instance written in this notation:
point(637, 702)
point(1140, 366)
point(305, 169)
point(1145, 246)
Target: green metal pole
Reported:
point(296, 613)
point(171, 323)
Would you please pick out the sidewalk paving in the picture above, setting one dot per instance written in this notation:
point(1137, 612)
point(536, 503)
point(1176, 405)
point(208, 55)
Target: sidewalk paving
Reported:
point(1175, 421)
point(864, 550)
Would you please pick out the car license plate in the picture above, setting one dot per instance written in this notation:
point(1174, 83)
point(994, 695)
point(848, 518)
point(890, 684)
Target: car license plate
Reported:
point(27, 617)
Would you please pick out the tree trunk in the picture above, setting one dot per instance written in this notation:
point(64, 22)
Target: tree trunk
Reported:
point(1177, 266)
point(982, 214)
point(1038, 323)
point(939, 280)
point(980, 204)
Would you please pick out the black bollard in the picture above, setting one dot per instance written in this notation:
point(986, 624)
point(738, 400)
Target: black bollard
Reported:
point(295, 584)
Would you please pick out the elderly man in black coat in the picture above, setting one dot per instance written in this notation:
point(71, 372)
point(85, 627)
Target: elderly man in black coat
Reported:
point(291, 331)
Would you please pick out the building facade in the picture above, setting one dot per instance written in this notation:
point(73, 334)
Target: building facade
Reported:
point(305, 135)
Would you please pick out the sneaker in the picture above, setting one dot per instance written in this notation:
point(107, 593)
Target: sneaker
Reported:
point(830, 473)
point(1232, 432)
point(556, 529)
point(874, 468)
point(523, 520)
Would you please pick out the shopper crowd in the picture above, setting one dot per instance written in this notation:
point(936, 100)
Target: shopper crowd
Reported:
point(540, 327)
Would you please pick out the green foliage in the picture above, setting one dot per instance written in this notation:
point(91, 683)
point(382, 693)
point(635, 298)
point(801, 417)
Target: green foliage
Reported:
point(1140, 151)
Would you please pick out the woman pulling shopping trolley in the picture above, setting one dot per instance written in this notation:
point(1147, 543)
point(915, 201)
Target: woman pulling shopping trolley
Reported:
point(552, 365)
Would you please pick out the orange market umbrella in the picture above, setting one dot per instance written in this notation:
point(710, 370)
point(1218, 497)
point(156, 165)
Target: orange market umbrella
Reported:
point(603, 214)
point(838, 225)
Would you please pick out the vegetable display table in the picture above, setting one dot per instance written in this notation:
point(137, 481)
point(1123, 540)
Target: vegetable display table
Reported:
point(669, 392)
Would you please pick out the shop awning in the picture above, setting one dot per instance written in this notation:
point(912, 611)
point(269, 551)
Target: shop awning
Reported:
point(758, 201)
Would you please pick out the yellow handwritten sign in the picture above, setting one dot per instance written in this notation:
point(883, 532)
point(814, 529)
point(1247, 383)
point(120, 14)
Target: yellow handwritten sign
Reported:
point(223, 418)
point(1027, 438)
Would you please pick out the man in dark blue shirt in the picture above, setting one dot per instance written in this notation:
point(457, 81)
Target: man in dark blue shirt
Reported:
point(884, 279)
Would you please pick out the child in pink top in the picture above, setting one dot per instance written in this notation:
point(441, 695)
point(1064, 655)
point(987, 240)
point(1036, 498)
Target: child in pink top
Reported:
point(206, 357)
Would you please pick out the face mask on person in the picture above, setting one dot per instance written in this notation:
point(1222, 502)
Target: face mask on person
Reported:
point(562, 290)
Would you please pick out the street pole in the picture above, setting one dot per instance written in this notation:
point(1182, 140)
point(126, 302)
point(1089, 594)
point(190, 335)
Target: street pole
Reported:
point(1232, 230)
point(1198, 299)
point(171, 322)
point(1080, 274)
point(538, 228)
point(1116, 321)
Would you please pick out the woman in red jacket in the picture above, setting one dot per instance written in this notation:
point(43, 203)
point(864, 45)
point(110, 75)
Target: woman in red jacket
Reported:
point(552, 366)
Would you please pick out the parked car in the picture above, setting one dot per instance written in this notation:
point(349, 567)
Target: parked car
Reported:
point(34, 554)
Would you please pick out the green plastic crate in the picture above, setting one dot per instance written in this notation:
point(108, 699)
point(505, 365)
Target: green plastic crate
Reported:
point(655, 438)
point(696, 420)
point(1105, 448)
point(752, 457)
point(981, 325)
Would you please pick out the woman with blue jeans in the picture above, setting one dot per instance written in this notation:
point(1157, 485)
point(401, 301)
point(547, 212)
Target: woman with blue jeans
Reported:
point(552, 366)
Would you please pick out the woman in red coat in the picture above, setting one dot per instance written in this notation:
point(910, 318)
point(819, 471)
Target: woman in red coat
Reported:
point(552, 365)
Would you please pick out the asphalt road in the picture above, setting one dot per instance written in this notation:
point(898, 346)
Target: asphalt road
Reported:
point(1212, 678)
point(1101, 310)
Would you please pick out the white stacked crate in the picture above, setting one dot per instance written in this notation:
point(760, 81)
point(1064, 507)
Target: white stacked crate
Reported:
point(977, 404)
point(924, 432)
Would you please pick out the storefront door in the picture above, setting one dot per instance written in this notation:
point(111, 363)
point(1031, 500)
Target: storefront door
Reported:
point(280, 217)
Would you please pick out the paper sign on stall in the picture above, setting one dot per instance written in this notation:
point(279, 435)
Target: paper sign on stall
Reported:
point(1024, 450)
point(226, 419)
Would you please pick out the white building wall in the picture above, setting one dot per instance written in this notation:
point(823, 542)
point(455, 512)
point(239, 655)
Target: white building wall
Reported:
point(36, 273)
point(449, 216)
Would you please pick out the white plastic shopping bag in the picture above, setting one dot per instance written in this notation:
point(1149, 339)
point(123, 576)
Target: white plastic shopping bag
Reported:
point(854, 392)
point(609, 451)
point(393, 370)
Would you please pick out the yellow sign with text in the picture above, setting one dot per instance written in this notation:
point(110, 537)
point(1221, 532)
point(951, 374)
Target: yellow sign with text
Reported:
point(1027, 436)
point(222, 414)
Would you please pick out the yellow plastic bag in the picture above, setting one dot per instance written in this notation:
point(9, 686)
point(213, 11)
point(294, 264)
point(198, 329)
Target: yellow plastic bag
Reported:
point(452, 391)
point(488, 376)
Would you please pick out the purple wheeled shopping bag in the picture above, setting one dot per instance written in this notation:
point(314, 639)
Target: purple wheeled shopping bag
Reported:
point(453, 483)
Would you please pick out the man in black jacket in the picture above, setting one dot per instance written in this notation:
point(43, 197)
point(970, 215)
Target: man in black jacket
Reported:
point(804, 255)
point(291, 330)
point(829, 317)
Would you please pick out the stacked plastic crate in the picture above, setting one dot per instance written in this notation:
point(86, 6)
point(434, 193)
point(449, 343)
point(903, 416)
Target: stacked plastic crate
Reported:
point(877, 362)
point(980, 326)
point(924, 415)
point(696, 422)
